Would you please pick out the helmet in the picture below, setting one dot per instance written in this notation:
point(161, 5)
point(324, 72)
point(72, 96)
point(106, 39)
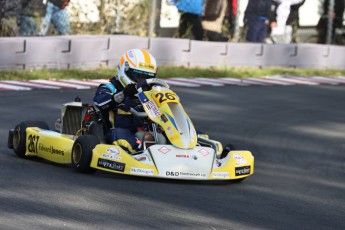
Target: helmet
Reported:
point(136, 65)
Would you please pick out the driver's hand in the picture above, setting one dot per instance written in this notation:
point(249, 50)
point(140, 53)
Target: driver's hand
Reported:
point(130, 90)
point(141, 84)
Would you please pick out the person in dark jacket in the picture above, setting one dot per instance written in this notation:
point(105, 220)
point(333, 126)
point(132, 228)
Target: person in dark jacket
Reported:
point(256, 19)
point(337, 18)
point(293, 20)
point(31, 16)
point(190, 18)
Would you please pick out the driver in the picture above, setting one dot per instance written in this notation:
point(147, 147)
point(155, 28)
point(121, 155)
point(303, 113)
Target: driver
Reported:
point(115, 98)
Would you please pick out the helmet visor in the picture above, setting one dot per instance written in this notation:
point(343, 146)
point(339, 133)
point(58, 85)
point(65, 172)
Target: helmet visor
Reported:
point(139, 75)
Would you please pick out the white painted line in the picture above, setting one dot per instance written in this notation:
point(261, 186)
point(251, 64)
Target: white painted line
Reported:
point(214, 81)
point(295, 81)
point(234, 81)
point(255, 81)
point(31, 84)
point(13, 87)
point(81, 82)
point(276, 81)
point(180, 83)
point(331, 80)
point(196, 81)
point(306, 80)
point(65, 85)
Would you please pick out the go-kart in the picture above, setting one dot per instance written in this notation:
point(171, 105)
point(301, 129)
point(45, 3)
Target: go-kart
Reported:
point(177, 152)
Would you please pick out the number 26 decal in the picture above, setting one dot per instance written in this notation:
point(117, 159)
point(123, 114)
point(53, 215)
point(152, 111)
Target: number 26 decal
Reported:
point(165, 97)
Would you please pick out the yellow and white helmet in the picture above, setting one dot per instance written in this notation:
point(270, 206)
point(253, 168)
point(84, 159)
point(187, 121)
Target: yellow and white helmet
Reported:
point(136, 65)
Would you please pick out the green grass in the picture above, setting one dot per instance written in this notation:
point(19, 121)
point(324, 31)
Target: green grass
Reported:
point(166, 72)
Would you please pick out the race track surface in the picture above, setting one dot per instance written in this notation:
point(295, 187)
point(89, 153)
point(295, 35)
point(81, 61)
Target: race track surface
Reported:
point(296, 134)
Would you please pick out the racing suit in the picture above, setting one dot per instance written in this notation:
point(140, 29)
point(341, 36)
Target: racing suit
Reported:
point(119, 125)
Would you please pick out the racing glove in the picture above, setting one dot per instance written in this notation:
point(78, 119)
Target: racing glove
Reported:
point(130, 90)
point(119, 97)
point(141, 84)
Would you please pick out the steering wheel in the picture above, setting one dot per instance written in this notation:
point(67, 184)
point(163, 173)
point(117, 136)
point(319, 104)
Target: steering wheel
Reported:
point(151, 81)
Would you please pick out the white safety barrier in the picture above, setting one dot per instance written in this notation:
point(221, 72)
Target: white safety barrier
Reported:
point(88, 52)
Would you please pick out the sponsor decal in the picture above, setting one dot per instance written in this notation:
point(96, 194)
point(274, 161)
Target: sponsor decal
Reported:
point(220, 174)
point(239, 160)
point(185, 174)
point(141, 171)
point(169, 130)
point(240, 171)
point(146, 66)
point(182, 156)
point(152, 108)
point(203, 152)
point(50, 149)
point(164, 150)
point(113, 165)
point(141, 157)
point(112, 153)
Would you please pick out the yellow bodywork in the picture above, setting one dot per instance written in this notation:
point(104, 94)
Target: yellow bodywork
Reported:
point(49, 145)
point(159, 109)
point(114, 159)
point(237, 165)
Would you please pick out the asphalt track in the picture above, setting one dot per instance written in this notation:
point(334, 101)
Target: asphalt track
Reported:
point(296, 133)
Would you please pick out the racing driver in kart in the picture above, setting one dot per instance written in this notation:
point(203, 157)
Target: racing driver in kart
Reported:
point(115, 98)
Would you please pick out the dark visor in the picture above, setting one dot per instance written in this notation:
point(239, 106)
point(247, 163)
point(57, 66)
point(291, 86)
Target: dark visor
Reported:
point(136, 75)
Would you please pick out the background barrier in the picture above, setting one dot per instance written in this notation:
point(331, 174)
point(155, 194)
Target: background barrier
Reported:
point(89, 52)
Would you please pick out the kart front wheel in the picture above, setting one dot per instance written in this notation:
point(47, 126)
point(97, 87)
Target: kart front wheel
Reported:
point(19, 136)
point(82, 153)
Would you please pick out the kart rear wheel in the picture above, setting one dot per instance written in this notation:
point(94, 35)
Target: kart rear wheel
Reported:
point(82, 153)
point(19, 135)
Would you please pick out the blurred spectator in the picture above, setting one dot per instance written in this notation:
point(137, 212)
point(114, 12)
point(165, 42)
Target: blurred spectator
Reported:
point(230, 16)
point(190, 18)
point(31, 17)
point(256, 19)
point(56, 15)
point(9, 14)
point(337, 18)
point(212, 19)
point(293, 20)
point(282, 30)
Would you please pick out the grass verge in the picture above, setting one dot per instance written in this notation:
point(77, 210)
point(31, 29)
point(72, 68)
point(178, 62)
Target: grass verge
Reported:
point(166, 72)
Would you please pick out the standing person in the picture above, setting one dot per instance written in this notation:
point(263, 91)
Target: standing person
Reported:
point(31, 16)
point(213, 19)
point(190, 18)
point(256, 19)
point(58, 16)
point(293, 20)
point(9, 17)
point(231, 15)
point(337, 18)
point(282, 28)
point(115, 98)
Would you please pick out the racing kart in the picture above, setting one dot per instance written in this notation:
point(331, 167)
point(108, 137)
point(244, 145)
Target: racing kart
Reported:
point(177, 152)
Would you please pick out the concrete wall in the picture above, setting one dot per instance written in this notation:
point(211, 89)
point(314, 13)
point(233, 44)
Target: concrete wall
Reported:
point(87, 52)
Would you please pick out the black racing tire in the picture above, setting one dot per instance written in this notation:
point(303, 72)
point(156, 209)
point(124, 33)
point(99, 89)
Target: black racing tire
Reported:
point(19, 135)
point(96, 129)
point(82, 153)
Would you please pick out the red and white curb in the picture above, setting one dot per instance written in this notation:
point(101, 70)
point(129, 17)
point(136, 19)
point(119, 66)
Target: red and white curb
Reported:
point(185, 82)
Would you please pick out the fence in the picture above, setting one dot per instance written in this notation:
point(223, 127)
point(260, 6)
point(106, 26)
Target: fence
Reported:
point(152, 18)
